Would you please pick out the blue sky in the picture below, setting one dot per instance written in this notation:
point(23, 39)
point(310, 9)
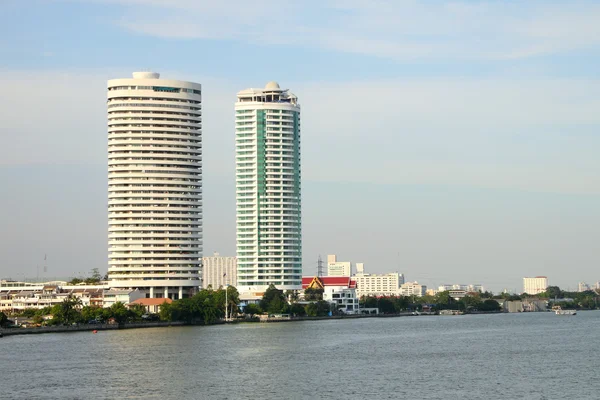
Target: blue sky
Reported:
point(453, 141)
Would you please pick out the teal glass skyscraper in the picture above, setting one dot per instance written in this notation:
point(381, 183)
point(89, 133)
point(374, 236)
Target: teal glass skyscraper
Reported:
point(268, 195)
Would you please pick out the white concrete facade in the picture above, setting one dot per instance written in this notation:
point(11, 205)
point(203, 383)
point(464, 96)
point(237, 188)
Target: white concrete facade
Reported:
point(412, 289)
point(378, 284)
point(535, 285)
point(345, 298)
point(338, 268)
point(268, 198)
point(113, 296)
point(155, 185)
point(466, 288)
point(219, 271)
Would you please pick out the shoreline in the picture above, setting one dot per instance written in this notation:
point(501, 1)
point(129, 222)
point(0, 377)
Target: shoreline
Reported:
point(85, 328)
point(160, 324)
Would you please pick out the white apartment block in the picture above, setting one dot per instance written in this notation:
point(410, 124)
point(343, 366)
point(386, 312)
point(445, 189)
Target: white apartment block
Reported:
point(268, 196)
point(583, 287)
point(219, 271)
point(155, 185)
point(412, 289)
point(378, 284)
point(338, 268)
point(535, 285)
point(466, 288)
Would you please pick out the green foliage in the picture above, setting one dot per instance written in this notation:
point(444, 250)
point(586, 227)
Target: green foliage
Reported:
point(274, 301)
point(292, 296)
point(254, 309)
point(3, 319)
point(317, 309)
point(119, 312)
point(311, 294)
point(68, 311)
point(490, 305)
point(28, 313)
point(387, 304)
point(206, 306)
point(297, 310)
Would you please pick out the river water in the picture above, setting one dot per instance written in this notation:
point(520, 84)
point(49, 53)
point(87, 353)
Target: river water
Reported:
point(506, 356)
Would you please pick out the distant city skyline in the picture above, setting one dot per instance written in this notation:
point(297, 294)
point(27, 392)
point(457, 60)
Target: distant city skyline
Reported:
point(453, 142)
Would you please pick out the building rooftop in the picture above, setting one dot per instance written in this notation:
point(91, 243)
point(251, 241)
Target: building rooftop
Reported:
point(329, 281)
point(152, 302)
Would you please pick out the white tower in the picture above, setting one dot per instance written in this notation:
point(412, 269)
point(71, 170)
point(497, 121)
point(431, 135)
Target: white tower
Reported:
point(155, 185)
point(269, 226)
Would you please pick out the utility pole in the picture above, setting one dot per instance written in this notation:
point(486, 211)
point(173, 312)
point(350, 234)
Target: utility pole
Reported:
point(320, 267)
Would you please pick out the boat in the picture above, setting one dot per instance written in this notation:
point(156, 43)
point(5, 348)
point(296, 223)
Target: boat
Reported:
point(559, 311)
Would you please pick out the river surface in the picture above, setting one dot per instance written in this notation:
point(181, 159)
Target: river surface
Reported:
point(506, 356)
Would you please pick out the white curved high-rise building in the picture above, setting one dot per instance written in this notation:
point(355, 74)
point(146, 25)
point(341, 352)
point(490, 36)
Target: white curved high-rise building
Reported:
point(268, 200)
point(155, 185)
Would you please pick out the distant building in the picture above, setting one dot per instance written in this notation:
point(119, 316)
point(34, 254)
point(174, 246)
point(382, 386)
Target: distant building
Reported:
point(360, 268)
point(338, 268)
point(412, 289)
point(535, 285)
point(583, 287)
point(340, 290)
point(219, 271)
point(466, 288)
point(124, 296)
point(378, 284)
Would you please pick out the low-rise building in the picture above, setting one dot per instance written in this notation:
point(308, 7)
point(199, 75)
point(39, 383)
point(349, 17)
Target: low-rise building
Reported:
point(124, 296)
point(151, 305)
point(412, 289)
point(340, 290)
point(378, 284)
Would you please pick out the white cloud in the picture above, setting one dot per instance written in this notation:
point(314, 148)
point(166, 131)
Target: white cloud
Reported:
point(399, 30)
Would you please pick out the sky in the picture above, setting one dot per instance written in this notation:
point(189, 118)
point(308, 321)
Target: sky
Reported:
point(452, 141)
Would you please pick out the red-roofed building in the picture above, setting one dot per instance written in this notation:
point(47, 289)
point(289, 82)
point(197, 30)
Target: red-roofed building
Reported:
point(340, 290)
point(151, 305)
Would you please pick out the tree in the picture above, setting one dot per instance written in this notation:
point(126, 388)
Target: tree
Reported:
point(317, 309)
point(490, 305)
point(136, 311)
point(252, 309)
point(297, 310)
point(470, 302)
point(67, 312)
point(233, 299)
point(119, 312)
point(554, 292)
point(311, 294)
point(368, 302)
point(3, 319)
point(273, 301)
point(292, 296)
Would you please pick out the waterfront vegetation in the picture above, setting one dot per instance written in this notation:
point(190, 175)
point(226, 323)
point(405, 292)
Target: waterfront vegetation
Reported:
point(208, 306)
point(71, 311)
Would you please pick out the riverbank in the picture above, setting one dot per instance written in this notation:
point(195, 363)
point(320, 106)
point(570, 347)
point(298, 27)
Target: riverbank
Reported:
point(159, 324)
point(84, 328)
